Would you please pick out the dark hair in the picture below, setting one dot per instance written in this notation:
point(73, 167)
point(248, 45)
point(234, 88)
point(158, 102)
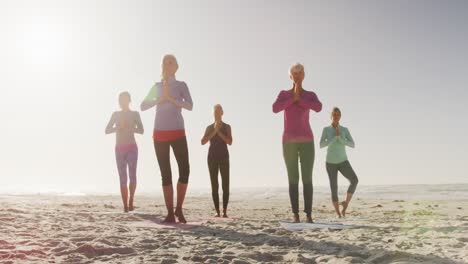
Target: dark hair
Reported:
point(122, 94)
point(336, 109)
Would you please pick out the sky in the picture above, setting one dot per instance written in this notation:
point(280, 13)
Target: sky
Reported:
point(397, 69)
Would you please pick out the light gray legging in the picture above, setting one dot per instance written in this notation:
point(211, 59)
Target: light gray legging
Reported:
point(347, 171)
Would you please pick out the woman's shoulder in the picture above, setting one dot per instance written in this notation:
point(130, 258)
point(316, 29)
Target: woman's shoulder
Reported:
point(310, 93)
point(285, 92)
point(181, 83)
point(156, 85)
point(118, 115)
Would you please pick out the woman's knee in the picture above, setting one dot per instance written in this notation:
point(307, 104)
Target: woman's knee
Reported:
point(183, 180)
point(166, 180)
point(293, 180)
point(133, 178)
point(184, 176)
point(355, 181)
point(123, 181)
point(133, 181)
point(353, 185)
point(306, 179)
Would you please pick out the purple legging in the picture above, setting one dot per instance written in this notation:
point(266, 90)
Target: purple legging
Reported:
point(127, 156)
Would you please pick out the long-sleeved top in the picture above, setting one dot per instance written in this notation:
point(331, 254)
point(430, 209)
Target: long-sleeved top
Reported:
point(125, 124)
point(336, 152)
point(218, 150)
point(168, 123)
point(296, 114)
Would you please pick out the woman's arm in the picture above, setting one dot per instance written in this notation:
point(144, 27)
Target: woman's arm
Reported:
point(282, 102)
point(186, 101)
point(208, 135)
point(346, 139)
point(226, 138)
point(324, 141)
point(311, 102)
point(150, 99)
point(139, 125)
point(110, 128)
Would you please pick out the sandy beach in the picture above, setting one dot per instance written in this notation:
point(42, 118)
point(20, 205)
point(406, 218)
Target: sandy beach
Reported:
point(92, 229)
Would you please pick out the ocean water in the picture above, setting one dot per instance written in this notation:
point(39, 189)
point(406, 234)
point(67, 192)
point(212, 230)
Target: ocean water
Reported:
point(384, 192)
point(417, 192)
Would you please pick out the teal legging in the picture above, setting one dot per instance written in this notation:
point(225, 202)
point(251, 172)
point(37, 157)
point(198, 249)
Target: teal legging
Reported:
point(305, 153)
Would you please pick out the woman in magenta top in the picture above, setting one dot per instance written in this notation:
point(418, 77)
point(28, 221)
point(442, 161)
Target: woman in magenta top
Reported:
point(298, 139)
point(170, 96)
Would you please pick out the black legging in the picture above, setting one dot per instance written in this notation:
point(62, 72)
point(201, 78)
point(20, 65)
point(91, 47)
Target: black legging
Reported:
point(223, 167)
point(347, 171)
point(180, 149)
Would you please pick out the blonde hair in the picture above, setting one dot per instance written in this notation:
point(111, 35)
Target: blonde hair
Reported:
point(165, 58)
point(296, 67)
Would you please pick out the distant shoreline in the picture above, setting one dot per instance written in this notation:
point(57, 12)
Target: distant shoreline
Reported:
point(401, 191)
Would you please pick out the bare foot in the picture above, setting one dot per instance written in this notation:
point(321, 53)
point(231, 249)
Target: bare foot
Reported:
point(180, 215)
point(309, 219)
point(296, 218)
point(170, 219)
point(345, 206)
point(130, 206)
point(125, 209)
point(218, 214)
point(225, 213)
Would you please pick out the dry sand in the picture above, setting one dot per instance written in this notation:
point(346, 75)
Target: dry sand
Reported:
point(92, 229)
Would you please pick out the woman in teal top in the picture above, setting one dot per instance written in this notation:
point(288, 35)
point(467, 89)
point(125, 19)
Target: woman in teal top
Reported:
point(336, 138)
